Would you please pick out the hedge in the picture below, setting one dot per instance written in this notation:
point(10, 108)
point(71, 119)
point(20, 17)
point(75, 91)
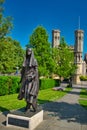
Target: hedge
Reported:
point(10, 84)
point(48, 83)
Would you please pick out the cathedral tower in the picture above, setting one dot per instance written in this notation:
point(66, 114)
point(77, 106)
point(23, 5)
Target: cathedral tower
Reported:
point(55, 38)
point(79, 34)
point(78, 51)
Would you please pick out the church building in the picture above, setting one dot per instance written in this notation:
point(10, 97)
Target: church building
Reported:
point(78, 52)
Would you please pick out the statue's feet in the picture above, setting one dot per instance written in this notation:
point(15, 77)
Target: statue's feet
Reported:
point(27, 108)
point(34, 107)
point(33, 110)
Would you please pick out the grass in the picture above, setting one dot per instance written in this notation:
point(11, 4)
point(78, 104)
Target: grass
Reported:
point(83, 93)
point(83, 103)
point(83, 98)
point(10, 102)
point(48, 95)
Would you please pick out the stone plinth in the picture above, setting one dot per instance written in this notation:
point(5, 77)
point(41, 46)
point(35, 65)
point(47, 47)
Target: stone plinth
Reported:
point(23, 120)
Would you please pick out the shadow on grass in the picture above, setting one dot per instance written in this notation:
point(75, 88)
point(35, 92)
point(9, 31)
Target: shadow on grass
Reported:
point(72, 92)
point(42, 101)
point(77, 92)
point(80, 87)
point(84, 93)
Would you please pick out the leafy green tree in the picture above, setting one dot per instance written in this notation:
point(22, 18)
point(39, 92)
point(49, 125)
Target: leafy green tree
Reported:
point(64, 59)
point(11, 55)
point(42, 51)
point(5, 22)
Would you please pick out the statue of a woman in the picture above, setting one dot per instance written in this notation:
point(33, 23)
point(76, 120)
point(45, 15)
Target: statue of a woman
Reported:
point(29, 81)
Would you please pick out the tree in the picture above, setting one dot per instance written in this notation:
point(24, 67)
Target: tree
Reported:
point(42, 51)
point(11, 53)
point(5, 22)
point(64, 59)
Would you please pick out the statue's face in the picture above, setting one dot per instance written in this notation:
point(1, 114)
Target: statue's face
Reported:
point(29, 51)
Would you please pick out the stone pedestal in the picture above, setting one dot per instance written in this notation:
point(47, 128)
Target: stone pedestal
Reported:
point(27, 120)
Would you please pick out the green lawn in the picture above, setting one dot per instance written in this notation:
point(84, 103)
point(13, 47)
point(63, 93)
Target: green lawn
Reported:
point(10, 102)
point(83, 98)
point(83, 103)
point(83, 93)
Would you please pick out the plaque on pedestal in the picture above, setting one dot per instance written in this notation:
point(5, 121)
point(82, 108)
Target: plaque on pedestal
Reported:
point(27, 120)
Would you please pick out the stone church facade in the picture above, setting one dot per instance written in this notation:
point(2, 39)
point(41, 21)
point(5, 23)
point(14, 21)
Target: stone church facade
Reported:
point(78, 52)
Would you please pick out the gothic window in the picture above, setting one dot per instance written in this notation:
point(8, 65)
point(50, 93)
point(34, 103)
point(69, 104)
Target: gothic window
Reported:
point(55, 37)
point(79, 37)
point(80, 46)
point(58, 38)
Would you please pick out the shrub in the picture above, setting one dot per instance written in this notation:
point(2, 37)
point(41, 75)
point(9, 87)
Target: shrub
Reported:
point(83, 78)
point(14, 87)
point(4, 85)
point(48, 83)
point(9, 85)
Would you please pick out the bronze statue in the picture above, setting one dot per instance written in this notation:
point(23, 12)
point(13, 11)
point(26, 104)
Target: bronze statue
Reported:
point(29, 81)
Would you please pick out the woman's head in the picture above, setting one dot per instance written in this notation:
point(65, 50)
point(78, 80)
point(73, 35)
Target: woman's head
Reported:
point(28, 51)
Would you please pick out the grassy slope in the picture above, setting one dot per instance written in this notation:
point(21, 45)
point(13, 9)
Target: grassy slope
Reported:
point(10, 102)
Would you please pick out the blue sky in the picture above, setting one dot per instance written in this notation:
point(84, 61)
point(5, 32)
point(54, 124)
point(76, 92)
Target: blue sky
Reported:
point(51, 14)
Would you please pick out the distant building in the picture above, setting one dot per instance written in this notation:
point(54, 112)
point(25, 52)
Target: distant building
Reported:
point(78, 52)
point(85, 59)
point(55, 38)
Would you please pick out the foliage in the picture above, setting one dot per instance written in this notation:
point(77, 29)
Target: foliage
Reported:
point(83, 78)
point(14, 84)
point(9, 85)
point(3, 85)
point(11, 53)
point(42, 51)
point(5, 22)
point(10, 102)
point(64, 59)
point(48, 83)
point(52, 60)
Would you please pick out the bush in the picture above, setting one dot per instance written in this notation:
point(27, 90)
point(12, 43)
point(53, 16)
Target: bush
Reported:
point(4, 85)
point(83, 78)
point(48, 83)
point(9, 85)
point(14, 86)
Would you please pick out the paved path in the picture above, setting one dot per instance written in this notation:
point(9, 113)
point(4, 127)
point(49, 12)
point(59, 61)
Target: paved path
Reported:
point(64, 114)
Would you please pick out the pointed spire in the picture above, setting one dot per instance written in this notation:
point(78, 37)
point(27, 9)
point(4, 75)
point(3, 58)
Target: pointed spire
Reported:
point(79, 23)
